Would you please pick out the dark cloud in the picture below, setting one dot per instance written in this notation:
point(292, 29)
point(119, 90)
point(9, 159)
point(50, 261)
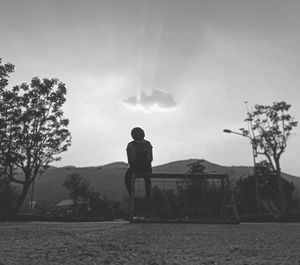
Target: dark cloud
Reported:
point(157, 98)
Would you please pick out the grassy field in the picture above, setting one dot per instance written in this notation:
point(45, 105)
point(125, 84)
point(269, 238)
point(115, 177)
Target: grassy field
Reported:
point(151, 244)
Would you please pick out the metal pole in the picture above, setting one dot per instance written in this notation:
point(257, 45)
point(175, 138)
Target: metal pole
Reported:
point(254, 164)
point(132, 196)
point(250, 126)
point(255, 179)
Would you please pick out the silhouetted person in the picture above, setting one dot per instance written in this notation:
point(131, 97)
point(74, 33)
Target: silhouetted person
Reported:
point(139, 155)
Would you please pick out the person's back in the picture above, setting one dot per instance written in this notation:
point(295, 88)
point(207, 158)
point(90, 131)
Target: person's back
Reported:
point(139, 154)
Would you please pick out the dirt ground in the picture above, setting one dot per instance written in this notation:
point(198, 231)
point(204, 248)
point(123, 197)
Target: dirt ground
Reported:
point(151, 244)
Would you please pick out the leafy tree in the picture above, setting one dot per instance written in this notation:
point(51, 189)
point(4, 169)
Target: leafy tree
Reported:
point(5, 170)
point(33, 130)
point(271, 126)
point(99, 205)
point(245, 195)
point(86, 201)
point(78, 187)
point(196, 167)
point(267, 187)
point(191, 191)
point(5, 71)
point(158, 202)
point(164, 203)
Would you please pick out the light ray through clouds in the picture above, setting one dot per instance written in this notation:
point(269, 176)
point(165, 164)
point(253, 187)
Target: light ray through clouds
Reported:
point(165, 46)
point(184, 65)
point(155, 101)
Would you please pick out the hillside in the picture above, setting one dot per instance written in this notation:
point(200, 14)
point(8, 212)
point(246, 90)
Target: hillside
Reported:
point(109, 179)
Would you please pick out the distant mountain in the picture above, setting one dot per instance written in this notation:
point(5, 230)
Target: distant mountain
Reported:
point(109, 179)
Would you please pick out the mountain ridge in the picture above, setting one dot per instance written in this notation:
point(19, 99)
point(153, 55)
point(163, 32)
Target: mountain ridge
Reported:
point(108, 179)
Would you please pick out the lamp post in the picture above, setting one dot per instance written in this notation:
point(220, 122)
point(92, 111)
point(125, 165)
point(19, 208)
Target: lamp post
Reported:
point(254, 163)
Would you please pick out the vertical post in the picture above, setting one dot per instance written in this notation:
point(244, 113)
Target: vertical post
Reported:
point(252, 135)
point(232, 200)
point(132, 195)
point(222, 198)
point(255, 178)
point(202, 202)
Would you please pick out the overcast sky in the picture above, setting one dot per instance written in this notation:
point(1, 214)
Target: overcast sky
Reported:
point(180, 69)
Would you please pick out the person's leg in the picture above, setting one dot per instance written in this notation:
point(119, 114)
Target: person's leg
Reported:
point(148, 187)
point(148, 183)
point(128, 176)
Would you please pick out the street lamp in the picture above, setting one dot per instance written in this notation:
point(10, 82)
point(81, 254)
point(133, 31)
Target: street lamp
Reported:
point(251, 142)
point(241, 134)
point(254, 163)
point(227, 131)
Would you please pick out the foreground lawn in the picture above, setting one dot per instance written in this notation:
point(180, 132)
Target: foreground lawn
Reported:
point(151, 244)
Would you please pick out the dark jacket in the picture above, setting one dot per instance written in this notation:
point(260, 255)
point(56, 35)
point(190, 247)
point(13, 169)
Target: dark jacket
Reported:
point(140, 161)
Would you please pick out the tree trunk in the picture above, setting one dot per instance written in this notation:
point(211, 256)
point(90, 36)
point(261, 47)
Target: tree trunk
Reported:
point(280, 188)
point(21, 198)
point(256, 190)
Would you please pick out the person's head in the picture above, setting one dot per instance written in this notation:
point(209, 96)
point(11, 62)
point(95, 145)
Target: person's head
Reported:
point(137, 133)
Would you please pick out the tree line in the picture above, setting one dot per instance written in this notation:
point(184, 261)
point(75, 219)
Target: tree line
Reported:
point(191, 198)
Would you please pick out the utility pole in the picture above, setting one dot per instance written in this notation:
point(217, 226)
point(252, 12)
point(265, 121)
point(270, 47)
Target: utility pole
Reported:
point(254, 160)
point(254, 164)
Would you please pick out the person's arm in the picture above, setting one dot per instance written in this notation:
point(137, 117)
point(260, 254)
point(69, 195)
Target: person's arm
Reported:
point(150, 155)
point(131, 156)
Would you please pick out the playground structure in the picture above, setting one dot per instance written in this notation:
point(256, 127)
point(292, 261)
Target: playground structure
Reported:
point(183, 198)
